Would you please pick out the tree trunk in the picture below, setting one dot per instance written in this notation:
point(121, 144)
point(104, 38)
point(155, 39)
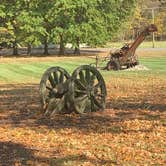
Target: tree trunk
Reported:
point(29, 50)
point(62, 46)
point(77, 51)
point(15, 48)
point(46, 46)
point(77, 48)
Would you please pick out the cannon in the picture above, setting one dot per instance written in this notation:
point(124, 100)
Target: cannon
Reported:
point(126, 57)
point(84, 91)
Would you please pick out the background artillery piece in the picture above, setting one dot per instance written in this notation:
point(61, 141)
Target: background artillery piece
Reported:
point(84, 91)
point(126, 57)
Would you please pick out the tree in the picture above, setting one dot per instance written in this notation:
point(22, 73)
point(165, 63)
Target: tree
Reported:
point(62, 22)
point(93, 22)
point(24, 19)
point(31, 25)
point(65, 21)
point(11, 10)
point(46, 12)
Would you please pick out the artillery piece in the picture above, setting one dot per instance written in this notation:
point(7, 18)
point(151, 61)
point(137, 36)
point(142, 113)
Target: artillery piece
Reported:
point(83, 91)
point(126, 57)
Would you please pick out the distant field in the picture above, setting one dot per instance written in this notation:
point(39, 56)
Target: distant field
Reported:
point(145, 44)
point(23, 70)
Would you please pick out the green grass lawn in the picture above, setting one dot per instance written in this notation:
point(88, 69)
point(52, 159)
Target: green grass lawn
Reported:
point(28, 70)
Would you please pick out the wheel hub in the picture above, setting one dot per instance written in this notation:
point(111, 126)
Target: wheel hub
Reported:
point(89, 91)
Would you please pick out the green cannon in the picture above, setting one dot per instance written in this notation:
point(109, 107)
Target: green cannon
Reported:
point(84, 91)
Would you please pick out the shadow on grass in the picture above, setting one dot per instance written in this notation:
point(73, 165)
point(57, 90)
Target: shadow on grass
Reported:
point(17, 154)
point(19, 105)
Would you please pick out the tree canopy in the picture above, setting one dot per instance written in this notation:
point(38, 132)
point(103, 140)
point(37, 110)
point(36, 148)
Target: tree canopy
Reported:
point(146, 12)
point(63, 21)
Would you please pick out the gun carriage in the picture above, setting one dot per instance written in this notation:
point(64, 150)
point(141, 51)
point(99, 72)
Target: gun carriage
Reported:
point(126, 57)
point(83, 91)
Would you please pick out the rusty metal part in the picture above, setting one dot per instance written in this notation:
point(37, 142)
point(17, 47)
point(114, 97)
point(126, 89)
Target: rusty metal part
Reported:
point(126, 57)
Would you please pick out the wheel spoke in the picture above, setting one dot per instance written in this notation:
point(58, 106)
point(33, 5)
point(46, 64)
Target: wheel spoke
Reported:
point(87, 76)
point(61, 79)
point(47, 87)
point(80, 99)
point(80, 91)
point(51, 81)
point(80, 84)
point(100, 95)
point(97, 85)
point(56, 77)
point(92, 80)
point(81, 75)
point(92, 106)
point(96, 102)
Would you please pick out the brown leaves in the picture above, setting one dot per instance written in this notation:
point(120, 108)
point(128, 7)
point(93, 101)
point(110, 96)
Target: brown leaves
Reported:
point(126, 133)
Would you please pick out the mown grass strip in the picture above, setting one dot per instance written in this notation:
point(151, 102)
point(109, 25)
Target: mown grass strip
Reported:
point(31, 71)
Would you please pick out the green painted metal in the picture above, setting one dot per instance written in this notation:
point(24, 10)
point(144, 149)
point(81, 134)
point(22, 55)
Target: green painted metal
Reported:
point(84, 91)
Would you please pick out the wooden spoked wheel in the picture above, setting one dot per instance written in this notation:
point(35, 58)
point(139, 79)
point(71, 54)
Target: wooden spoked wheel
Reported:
point(87, 90)
point(53, 87)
